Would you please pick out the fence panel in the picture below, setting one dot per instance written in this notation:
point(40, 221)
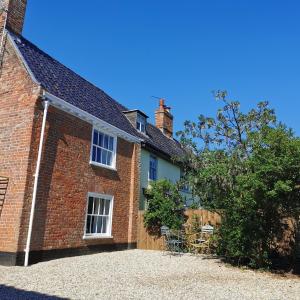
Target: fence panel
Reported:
point(152, 242)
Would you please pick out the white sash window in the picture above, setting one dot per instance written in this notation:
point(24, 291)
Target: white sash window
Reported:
point(103, 151)
point(99, 215)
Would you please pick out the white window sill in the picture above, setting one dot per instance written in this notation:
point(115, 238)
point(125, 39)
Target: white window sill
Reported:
point(103, 166)
point(93, 237)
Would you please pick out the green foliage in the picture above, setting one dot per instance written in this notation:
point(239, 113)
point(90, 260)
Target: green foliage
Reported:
point(165, 206)
point(247, 165)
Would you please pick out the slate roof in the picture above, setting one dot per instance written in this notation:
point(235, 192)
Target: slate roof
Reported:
point(62, 82)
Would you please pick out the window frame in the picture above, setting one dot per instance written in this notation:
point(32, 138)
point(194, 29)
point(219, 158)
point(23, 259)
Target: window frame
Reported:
point(149, 172)
point(140, 118)
point(113, 166)
point(109, 228)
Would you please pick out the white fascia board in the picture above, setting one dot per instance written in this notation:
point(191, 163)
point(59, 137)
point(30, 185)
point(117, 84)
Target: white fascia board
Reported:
point(87, 117)
point(21, 57)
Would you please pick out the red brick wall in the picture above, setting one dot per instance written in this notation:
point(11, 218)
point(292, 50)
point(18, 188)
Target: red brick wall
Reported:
point(17, 99)
point(66, 177)
point(16, 14)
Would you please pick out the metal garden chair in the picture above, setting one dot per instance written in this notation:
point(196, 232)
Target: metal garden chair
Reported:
point(173, 241)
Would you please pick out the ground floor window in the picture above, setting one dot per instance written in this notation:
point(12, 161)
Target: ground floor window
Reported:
point(99, 215)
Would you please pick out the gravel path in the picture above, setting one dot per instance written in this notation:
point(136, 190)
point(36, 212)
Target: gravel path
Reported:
point(138, 274)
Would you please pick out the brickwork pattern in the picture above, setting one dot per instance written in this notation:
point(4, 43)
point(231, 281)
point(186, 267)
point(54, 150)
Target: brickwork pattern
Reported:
point(17, 100)
point(66, 177)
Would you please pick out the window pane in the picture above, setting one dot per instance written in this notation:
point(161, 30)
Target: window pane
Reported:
point(100, 143)
point(95, 138)
point(104, 225)
point(99, 225)
point(109, 158)
point(88, 224)
point(101, 207)
point(90, 205)
point(94, 154)
point(106, 142)
point(96, 206)
point(111, 143)
point(153, 168)
point(104, 156)
point(93, 224)
point(107, 204)
point(98, 157)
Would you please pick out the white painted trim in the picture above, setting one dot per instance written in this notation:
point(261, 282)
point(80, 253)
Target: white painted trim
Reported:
point(93, 163)
point(21, 57)
point(87, 117)
point(36, 179)
point(96, 237)
point(111, 208)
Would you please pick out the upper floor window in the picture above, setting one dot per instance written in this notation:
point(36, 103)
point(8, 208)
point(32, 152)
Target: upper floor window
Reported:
point(103, 149)
point(141, 123)
point(153, 168)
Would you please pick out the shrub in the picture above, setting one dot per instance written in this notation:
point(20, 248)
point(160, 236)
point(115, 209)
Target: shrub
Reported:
point(165, 206)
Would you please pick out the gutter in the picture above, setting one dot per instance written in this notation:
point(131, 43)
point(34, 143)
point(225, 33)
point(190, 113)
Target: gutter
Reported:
point(87, 117)
point(36, 179)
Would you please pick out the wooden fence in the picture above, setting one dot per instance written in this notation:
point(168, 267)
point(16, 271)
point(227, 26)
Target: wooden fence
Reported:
point(196, 217)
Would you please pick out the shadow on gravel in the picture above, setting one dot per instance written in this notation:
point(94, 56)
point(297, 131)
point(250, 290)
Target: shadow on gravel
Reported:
point(9, 293)
point(215, 257)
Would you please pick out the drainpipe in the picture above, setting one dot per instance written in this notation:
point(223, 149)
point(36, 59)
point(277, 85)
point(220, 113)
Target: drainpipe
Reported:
point(36, 179)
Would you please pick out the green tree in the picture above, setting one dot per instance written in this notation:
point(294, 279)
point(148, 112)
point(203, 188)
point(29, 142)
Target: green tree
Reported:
point(165, 206)
point(247, 166)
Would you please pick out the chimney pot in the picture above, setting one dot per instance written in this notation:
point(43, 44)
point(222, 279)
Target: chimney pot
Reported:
point(161, 103)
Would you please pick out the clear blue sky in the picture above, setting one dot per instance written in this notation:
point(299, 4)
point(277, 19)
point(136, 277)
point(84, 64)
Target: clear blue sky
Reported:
point(180, 50)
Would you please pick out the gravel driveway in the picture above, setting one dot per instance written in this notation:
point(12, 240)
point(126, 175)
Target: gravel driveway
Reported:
point(138, 274)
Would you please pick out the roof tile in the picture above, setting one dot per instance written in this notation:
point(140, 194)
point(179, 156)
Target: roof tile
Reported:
point(62, 82)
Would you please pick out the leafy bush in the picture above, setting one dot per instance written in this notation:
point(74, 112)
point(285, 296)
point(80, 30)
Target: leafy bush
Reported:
point(248, 166)
point(165, 206)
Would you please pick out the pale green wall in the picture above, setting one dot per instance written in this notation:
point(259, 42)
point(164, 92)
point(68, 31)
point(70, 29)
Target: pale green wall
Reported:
point(165, 170)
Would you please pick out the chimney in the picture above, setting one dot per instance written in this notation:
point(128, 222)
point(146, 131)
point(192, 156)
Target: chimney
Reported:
point(164, 119)
point(12, 15)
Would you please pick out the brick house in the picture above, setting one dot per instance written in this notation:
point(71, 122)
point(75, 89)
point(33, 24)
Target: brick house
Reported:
point(73, 161)
point(69, 157)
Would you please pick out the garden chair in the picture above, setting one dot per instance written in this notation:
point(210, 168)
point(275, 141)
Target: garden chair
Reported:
point(173, 241)
point(201, 242)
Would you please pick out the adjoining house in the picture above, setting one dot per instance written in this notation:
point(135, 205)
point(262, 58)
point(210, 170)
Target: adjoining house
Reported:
point(70, 155)
point(159, 150)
